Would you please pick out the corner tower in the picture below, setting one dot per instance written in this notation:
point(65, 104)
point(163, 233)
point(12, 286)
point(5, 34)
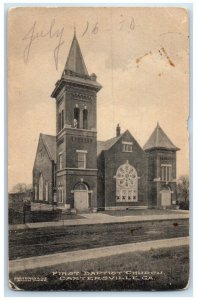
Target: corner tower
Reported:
point(76, 98)
point(161, 153)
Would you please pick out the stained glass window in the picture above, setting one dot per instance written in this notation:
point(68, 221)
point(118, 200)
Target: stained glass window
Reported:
point(126, 183)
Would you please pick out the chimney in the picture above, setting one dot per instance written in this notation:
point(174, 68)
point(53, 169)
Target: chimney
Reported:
point(117, 130)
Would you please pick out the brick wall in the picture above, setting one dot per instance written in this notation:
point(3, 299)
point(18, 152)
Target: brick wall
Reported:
point(113, 158)
point(43, 165)
point(155, 159)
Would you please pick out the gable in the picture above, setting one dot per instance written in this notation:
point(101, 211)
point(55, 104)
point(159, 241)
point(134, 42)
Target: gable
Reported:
point(46, 149)
point(106, 145)
point(128, 137)
point(50, 145)
point(115, 144)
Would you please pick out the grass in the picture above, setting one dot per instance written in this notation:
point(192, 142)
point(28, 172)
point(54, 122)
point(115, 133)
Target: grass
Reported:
point(140, 212)
point(40, 217)
point(48, 240)
point(168, 270)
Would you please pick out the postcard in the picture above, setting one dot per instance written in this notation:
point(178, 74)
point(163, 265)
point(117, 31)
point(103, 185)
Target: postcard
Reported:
point(98, 104)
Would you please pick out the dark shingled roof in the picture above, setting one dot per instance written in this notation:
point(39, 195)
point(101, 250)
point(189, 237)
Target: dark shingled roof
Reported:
point(105, 145)
point(50, 144)
point(159, 140)
point(75, 62)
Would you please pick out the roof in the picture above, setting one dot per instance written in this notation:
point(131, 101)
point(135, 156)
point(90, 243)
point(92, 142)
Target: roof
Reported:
point(50, 145)
point(84, 81)
point(75, 71)
point(159, 140)
point(105, 145)
point(75, 62)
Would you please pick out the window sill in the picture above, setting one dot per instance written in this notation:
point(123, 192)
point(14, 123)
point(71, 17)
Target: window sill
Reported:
point(127, 201)
point(127, 151)
point(166, 181)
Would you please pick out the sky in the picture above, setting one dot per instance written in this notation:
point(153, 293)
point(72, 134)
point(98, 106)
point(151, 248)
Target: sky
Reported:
point(140, 57)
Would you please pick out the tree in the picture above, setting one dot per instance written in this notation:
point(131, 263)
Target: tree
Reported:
point(22, 188)
point(183, 188)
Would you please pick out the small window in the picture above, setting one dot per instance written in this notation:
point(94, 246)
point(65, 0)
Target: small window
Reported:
point(85, 119)
point(35, 192)
point(46, 191)
point(54, 198)
point(41, 185)
point(76, 117)
point(166, 173)
point(126, 147)
point(60, 194)
point(61, 120)
point(60, 161)
point(81, 159)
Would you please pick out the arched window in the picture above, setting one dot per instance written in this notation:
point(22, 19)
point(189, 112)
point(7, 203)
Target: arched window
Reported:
point(76, 117)
point(41, 187)
point(61, 120)
point(60, 194)
point(80, 186)
point(85, 119)
point(46, 191)
point(126, 184)
point(35, 192)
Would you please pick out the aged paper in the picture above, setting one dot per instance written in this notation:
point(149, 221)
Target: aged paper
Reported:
point(98, 102)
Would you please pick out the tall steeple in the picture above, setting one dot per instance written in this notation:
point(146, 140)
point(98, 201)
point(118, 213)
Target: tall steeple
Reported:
point(75, 70)
point(75, 62)
point(76, 141)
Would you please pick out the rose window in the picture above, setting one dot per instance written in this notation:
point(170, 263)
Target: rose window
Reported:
point(126, 183)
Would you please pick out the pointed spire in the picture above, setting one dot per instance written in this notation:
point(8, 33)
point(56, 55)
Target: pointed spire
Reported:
point(75, 70)
point(75, 62)
point(159, 140)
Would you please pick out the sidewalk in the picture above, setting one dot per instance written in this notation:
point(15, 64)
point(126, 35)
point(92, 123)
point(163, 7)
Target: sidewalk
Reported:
point(79, 255)
point(99, 218)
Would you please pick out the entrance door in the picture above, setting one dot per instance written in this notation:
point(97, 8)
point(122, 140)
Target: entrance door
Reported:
point(165, 198)
point(81, 200)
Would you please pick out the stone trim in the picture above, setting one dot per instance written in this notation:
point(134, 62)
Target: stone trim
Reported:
point(125, 207)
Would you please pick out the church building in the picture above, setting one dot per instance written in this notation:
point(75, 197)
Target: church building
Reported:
point(75, 171)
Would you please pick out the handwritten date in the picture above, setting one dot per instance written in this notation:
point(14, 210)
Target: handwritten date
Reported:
point(34, 35)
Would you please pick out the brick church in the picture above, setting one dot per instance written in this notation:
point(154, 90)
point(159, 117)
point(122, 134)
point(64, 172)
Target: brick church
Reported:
point(75, 171)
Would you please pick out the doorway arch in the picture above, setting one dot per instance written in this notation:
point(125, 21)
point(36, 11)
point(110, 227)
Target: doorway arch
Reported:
point(166, 196)
point(81, 198)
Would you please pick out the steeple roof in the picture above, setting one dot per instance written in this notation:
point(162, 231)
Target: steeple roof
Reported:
point(75, 71)
point(159, 140)
point(75, 62)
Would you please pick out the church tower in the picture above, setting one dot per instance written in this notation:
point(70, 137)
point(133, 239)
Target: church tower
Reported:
point(76, 140)
point(161, 154)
